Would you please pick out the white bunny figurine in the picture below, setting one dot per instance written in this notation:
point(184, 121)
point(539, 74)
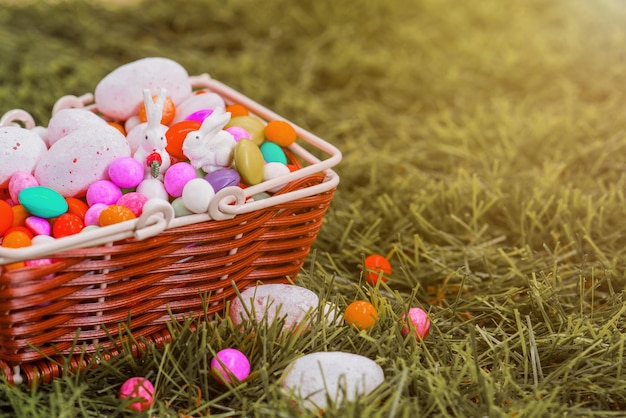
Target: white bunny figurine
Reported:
point(210, 148)
point(151, 152)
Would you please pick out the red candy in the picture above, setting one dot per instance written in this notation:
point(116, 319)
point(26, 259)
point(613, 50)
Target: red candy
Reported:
point(6, 216)
point(176, 135)
point(67, 224)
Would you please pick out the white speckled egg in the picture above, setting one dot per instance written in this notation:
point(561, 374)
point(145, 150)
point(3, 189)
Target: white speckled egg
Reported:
point(68, 120)
point(120, 93)
point(20, 150)
point(198, 102)
point(81, 158)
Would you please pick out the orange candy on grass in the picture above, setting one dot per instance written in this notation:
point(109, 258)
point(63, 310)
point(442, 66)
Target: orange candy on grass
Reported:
point(280, 132)
point(361, 314)
point(377, 267)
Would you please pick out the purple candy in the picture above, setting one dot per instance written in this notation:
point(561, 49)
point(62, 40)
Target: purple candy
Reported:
point(177, 176)
point(200, 115)
point(103, 191)
point(222, 178)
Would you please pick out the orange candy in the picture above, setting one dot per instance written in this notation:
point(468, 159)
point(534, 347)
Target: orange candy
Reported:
point(119, 126)
point(76, 206)
point(19, 215)
point(280, 132)
point(236, 109)
point(376, 264)
point(361, 314)
point(6, 216)
point(16, 239)
point(176, 135)
point(115, 214)
point(169, 111)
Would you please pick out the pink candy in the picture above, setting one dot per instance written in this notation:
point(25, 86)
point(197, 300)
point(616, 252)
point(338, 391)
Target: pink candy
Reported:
point(19, 181)
point(38, 226)
point(420, 323)
point(103, 191)
point(133, 201)
point(126, 172)
point(177, 176)
point(140, 389)
point(230, 363)
point(238, 133)
point(92, 216)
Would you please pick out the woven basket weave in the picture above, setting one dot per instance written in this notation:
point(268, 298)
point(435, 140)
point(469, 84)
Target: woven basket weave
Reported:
point(136, 276)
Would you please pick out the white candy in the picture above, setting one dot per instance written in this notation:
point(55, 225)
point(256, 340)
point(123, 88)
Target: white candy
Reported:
point(68, 120)
point(152, 189)
point(80, 158)
point(316, 376)
point(275, 170)
point(20, 150)
point(120, 93)
point(197, 195)
point(272, 301)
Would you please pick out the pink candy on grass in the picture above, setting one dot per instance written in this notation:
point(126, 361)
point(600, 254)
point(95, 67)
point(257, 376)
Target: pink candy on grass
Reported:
point(420, 323)
point(140, 389)
point(229, 363)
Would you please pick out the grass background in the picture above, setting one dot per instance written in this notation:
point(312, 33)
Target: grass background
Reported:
point(484, 147)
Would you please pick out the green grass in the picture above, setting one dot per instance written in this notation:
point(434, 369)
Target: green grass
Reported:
point(484, 147)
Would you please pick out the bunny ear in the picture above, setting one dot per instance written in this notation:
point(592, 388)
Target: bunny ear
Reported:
point(154, 111)
point(214, 122)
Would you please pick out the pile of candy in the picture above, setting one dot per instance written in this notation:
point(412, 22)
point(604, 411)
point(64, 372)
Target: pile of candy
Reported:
point(149, 135)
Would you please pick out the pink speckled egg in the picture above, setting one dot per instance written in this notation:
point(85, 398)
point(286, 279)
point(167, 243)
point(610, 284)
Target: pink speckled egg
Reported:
point(68, 120)
point(81, 158)
point(119, 94)
point(19, 181)
point(20, 150)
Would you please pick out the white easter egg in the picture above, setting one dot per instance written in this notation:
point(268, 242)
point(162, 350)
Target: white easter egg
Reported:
point(20, 150)
point(119, 94)
point(197, 195)
point(81, 158)
point(275, 170)
point(68, 120)
point(198, 102)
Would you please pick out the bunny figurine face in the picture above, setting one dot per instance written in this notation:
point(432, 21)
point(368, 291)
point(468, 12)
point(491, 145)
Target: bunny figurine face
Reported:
point(210, 148)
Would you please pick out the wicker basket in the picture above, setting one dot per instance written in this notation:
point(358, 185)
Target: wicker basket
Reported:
point(135, 276)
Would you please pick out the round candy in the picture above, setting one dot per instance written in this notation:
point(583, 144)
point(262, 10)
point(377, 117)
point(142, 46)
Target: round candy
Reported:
point(67, 224)
point(153, 189)
point(197, 195)
point(238, 133)
point(273, 153)
point(249, 162)
point(6, 216)
point(223, 177)
point(176, 135)
point(16, 239)
point(140, 389)
point(20, 213)
point(39, 226)
point(230, 365)
point(19, 181)
point(169, 111)
point(254, 126)
point(43, 201)
point(115, 214)
point(420, 323)
point(280, 132)
point(179, 208)
point(92, 216)
point(133, 201)
point(273, 171)
point(236, 109)
point(22, 229)
point(126, 172)
point(76, 206)
point(361, 314)
point(103, 191)
point(176, 177)
point(376, 266)
point(199, 115)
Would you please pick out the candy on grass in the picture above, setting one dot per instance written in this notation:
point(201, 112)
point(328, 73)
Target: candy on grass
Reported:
point(377, 267)
point(419, 323)
point(361, 314)
point(230, 365)
point(140, 390)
